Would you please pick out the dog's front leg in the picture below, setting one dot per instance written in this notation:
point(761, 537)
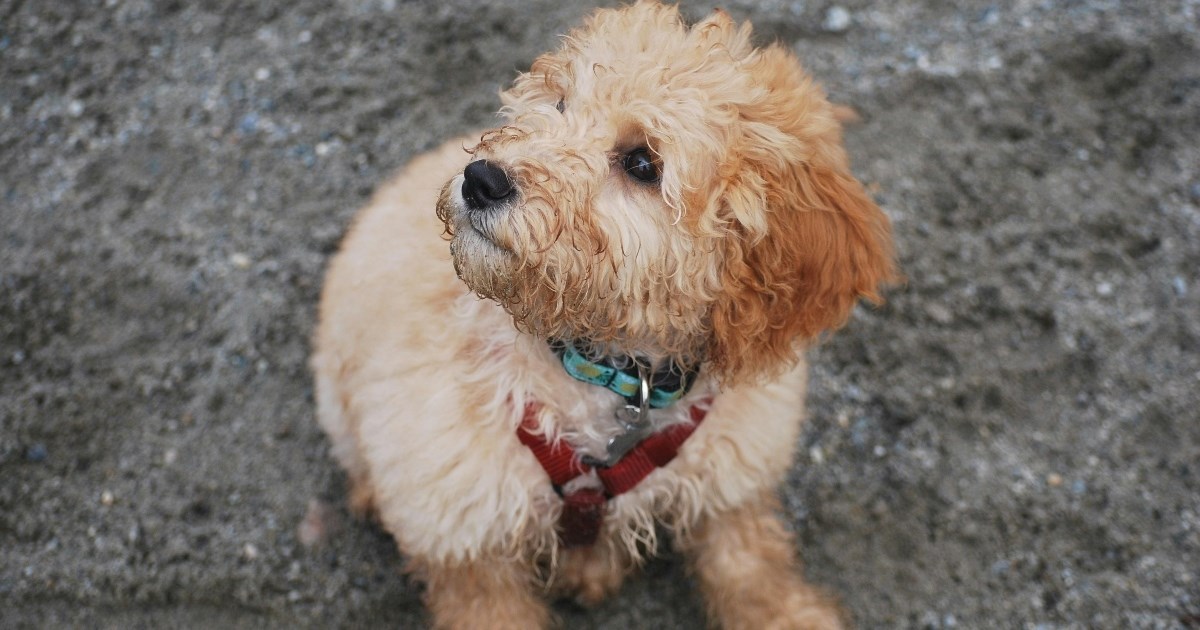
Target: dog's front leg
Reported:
point(746, 564)
point(483, 594)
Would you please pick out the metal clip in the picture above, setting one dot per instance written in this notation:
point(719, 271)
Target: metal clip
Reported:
point(634, 419)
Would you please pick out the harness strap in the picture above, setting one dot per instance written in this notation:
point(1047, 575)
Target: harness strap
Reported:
point(583, 509)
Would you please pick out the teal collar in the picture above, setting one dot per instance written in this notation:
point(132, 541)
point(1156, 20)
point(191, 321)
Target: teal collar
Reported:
point(667, 385)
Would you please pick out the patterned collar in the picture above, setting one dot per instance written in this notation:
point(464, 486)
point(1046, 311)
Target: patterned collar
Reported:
point(667, 385)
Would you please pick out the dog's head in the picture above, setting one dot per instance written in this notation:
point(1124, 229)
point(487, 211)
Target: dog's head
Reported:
point(663, 190)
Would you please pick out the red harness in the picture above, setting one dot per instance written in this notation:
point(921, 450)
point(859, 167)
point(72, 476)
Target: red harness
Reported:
point(583, 509)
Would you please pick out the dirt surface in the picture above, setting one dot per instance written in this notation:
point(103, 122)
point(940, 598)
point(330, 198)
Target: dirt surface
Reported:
point(1012, 442)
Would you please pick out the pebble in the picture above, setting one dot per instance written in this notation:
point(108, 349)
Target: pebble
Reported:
point(262, 74)
point(239, 260)
point(1195, 191)
point(1177, 283)
point(75, 109)
point(36, 453)
point(169, 456)
point(939, 313)
point(1104, 289)
point(107, 498)
point(250, 552)
point(1054, 480)
point(837, 20)
point(816, 455)
point(249, 123)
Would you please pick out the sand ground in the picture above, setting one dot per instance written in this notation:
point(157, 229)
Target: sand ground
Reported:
point(1012, 442)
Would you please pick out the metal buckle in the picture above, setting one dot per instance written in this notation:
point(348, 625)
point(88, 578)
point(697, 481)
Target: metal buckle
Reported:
point(634, 419)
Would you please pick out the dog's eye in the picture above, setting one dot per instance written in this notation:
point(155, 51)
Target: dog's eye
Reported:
point(640, 166)
point(561, 106)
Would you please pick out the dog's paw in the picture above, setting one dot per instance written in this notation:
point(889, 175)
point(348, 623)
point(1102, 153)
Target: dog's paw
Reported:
point(588, 575)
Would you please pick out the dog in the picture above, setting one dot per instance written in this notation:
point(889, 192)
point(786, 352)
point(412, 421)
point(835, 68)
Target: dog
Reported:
point(610, 346)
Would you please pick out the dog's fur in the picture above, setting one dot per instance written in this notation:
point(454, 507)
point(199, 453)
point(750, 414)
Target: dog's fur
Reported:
point(755, 240)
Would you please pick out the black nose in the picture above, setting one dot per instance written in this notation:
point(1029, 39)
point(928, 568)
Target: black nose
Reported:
point(485, 185)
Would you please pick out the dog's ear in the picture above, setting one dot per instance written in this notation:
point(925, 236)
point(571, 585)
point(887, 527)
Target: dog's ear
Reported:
point(806, 240)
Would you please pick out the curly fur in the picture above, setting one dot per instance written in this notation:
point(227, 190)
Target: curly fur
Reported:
point(755, 241)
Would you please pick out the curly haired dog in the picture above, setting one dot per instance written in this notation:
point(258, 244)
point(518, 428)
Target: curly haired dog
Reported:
point(662, 224)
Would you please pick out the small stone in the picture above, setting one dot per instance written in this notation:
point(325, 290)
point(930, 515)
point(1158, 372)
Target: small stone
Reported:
point(75, 109)
point(1104, 289)
point(843, 419)
point(107, 498)
point(293, 596)
point(837, 20)
point(249, 123)
point(239, 260)
point(169, 456)
point(1194, 190)
point(250, 552)
point(816, 455)
point(939, 313)
point(322, 149)
point(1054, 480)
point(880, 451)
point(262, 74)
point(1177, 283)
point(304, 37)
point(36, 453)
point(18, 357)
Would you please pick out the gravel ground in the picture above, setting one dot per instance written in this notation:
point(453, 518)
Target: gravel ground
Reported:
point(1011, 442)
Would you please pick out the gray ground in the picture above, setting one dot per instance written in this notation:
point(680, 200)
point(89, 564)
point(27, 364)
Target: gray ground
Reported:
point(1011, 442)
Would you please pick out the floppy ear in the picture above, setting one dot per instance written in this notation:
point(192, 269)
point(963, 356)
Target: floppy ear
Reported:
point(807, 241)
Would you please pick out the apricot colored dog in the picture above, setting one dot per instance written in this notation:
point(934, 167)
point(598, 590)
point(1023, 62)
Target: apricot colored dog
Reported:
point(611, 344)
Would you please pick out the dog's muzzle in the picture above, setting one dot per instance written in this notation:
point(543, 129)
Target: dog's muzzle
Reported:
point(486, 186)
